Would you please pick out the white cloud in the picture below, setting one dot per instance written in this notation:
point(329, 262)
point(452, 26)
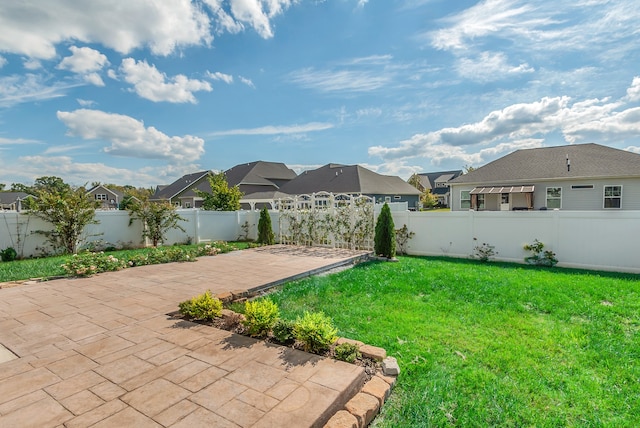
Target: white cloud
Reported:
point(603, 28)
point(34, 29)
point(273, 130)
point(256, 14)
point(226, 78)
point(3, 61)
point(339, 80)
point(489, 66)
point(85, 103)
point(151, 84)
point(522, 126)
point(28, 88)
point(78, 173)
point(83, 60)
point(32, 64)
point(633, 92)
point(633, 149)
point(129, 137)
point(16, 141)
point(246, 81)
point(86, 62)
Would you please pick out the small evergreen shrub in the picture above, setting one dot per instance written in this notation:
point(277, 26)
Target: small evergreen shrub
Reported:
point(540, 256)
point(260, 315)
point(202, 307)
point(265, 232)
point(8, 254)
point(385, 237)
point(315, 331)
point(283, 331)
point(347, 352)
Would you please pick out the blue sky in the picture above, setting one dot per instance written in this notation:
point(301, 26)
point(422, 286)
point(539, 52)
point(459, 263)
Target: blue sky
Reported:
point(141, 92)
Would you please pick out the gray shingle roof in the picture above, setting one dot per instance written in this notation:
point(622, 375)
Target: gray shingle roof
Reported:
point(353, 179)
point(184, 182)
point(259, 172)
point(550, 163)
point(8, 198)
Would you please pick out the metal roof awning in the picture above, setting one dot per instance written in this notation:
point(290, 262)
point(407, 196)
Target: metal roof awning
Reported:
point(487, 190)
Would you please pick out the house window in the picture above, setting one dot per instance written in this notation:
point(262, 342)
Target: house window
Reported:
point(554, 197)
point(504, 198)
point(101, 197)
point(613, 196)
point(387, 198)
point(187, 204)
point(465, 200)
point(480, 201)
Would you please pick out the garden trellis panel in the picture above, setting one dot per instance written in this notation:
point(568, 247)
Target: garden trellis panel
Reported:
point(328, 220)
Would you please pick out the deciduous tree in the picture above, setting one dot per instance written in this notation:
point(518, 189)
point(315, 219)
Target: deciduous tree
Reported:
point(69, 210)
point(222, 197)
point(157, 219)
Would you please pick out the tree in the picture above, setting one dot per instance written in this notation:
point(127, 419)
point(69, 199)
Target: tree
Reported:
point(2, 186)
point(69, 210)
point(265, 232)
point(222, 197)
point(427, 199)
point(414, 180)
point(468, 168)
point(385, 238)
point(157, 219)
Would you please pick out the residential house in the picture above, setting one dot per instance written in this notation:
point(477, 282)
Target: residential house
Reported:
point(572, 177)
point(352, 180)
point(182, 191)
point(251, 178)
point(259, 181)
point(438, 184)
point(110, 199)
point(13, 201)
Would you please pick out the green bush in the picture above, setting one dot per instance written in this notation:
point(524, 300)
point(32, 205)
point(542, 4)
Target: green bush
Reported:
point(260, 315)
point(283, 331)
point(347, 352)
point(202, 307)
point(8, 254)
point(540, 257)
point(265, 233)
point(315, 331)
point(385, 237)
point(87, 264)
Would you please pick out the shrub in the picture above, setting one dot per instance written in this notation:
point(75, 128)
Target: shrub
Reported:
point(403, 236)
point(265, 233)
point(202, 307)
point(260, 315)
point(8, 254)
point(385, 239)
point(315, 331)
point(347, 352)
point(87, 264)
point(283, 331)
point(540, 257)
point(484, 252)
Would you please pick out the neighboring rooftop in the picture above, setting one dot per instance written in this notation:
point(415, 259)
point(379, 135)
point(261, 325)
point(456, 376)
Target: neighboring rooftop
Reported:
point(351, 179)
point(260, 173)
point(550, 163)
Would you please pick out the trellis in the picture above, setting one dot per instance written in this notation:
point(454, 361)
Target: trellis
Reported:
point(328, 220)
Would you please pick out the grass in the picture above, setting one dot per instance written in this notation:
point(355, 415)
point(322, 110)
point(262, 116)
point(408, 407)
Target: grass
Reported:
point(48, 267)
point(490, 344)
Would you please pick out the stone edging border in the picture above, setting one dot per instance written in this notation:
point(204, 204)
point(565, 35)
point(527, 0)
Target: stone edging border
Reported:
point(362, 408)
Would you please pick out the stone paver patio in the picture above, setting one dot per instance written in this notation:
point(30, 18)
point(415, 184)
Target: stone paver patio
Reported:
point(102, 352)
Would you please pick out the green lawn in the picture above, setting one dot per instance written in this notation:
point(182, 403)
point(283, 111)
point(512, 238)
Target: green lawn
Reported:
point(47, 267)
point(490, 344)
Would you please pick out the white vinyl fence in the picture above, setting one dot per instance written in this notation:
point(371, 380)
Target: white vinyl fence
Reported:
point(606, 240)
